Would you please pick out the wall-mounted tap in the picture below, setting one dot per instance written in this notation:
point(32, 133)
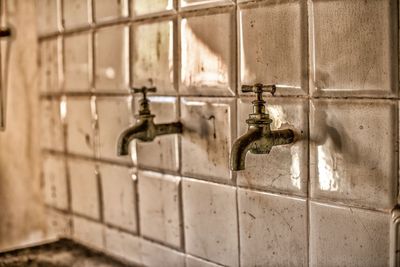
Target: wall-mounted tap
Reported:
point(144, 129)
point(259, 138)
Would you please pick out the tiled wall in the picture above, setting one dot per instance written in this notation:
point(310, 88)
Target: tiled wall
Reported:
point(326, 200)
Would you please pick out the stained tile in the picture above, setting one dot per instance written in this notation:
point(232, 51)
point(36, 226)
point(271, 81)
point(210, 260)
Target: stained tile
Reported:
point(285, 168)
point(208, 133)
point(58, 224)
point(123, 245)
point(275, 225)
point(112, 56)
point(271, 56)
point(145, 7)
point(157, 255)
point(208, 55)
point(47, 16)
point(210, 221)
point(352, 156)
point(55, 182)
point(51, 125)
point(348, 237)
point(196, 262)
point(49, 65)
point(88, 232)
point(152, 56)
point(110, 9)
point(159, 207)
point(203, 3)
point(112, 124)
point(351, 62)
point(76, 62)
point(80, 135)
point(76, 13)
point(162, 153)
point(84, 188)
point(119, 196)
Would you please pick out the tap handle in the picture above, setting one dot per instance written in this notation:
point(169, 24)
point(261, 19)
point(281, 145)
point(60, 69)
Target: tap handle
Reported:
point(143, 90)
point(144, 108)
point(259, 88)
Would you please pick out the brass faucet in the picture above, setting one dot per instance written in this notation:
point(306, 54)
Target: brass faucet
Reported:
point(259, 138)
point(144, 129)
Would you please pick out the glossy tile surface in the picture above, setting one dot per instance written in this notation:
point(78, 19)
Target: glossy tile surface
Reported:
point(210, 221)
point(55, 182)
point(358, 62)
point(47, 16)
point(110, 9)
point(152, 56)
point(51, 126)
point(207, 55)
point(119, 196)
point(162, 153)
point(348, 237)
point(76, 13)
point(80, 132)
point(49, 65)
point(112, 56)
point(88, 232)
point(206, 141)
point(273, 229)
point(205, 3)
point(271, 56)
point(84, 188)
point(157, 255)
point(285, 168)
point(77, 63)
point(145, 7)
point(159, 206)
point(123, 245)
point(352, 156)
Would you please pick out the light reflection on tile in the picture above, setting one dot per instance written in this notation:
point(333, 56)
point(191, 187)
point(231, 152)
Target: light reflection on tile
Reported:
point(204, 3)
point(145, 7)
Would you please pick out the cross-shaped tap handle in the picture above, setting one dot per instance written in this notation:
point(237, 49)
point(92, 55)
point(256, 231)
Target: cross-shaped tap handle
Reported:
point(259, 88)
point(143, 90)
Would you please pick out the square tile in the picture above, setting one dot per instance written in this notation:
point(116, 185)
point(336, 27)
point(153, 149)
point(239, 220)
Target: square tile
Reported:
point(342, 236)
point(84, 188)
point(110, 9)
point(114, 116)
point(52, 135)
point(48, 17)
point(88, 232)
point(153, 57)
point(80, 123)
point(203, 3)
point(271, 56)
point(58, 224)
point(156, 255)
point(112, 68)
point(119, 196)
point(209, 130)
point(76, 13)
point(159, 206)
point(49, 65)
point(208, 55)
point(77, 65)
point(123, 245)
point(146, 7)
point(55, 181)
point(196, 262)
point(352, 156)
point(285, 168)
point(275, 225)
point(210, 221)
point(163, 152)
point(348, 62)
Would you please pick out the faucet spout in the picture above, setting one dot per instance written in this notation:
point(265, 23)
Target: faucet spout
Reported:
point(241, 146)
point(137, 131)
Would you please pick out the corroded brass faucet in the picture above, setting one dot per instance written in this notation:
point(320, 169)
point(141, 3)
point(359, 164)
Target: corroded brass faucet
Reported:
point(259, 138)
point(145, 129)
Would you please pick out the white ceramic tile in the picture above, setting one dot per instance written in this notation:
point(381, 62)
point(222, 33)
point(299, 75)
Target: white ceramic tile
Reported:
point(208, 133)
point(162, 153)
point(76, 13)
point(58, 224)
point(110, 9)
point(123, 245)
point(196, 262)
point(285, 168)
point(88, 232)
point(159, 206)
point(80, 134)
point(145, 7)
point(55, 181)
point(156, 255)
point(47, 16)
point(273, 229)
point(84, 188)
point(76, 62)
point(271, 56)
point(119, 196)
point(112, 58)
point(352, 156)
point(210, 221)
point(51, 125)
point(112, 124)
point(348, 237)
point(152, 56)
point(353, 48)
point(49, 65)
point(203, 3)
point(207, 55)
